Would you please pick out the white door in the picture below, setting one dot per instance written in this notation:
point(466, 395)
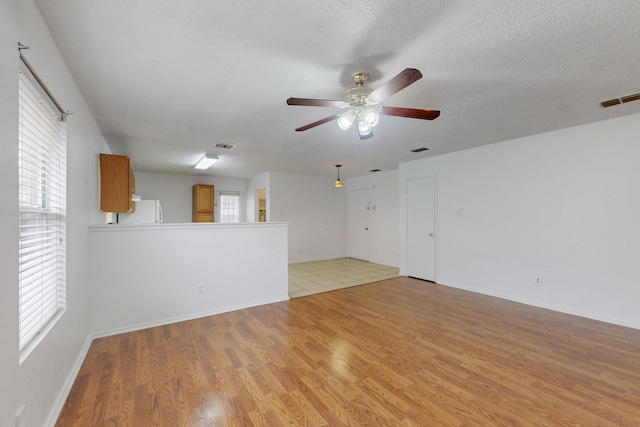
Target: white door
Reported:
point(359, 224)
point(421, 247)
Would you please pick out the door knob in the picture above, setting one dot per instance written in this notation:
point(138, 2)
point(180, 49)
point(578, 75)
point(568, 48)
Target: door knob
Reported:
point(430, 234)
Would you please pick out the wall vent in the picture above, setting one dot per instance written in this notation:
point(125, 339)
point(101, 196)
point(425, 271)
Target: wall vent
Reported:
point(621, 100)
point(225, 146)
point(417, 150)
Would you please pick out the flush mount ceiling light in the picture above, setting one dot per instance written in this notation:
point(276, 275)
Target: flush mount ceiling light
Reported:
point(206, 161)
point(363, 104)
point(337, 183)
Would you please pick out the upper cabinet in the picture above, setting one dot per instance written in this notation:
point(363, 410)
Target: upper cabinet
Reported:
point(202, 203)
point(117, 184)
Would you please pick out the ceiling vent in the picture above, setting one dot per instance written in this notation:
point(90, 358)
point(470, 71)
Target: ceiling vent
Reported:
point(622, 100)
point(225, 146)
point(417, 150)
point(630, 98)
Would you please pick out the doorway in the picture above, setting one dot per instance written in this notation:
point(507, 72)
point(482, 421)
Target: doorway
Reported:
point(359, 224)
point(421, 246)
point(261, 205)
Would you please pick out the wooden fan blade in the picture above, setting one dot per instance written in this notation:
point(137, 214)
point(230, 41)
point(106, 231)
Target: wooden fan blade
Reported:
point(316, 102)
point(411, 113)
point(395, 85)
point(319, 122)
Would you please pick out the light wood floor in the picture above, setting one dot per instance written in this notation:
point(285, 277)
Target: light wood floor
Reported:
point(399, 352)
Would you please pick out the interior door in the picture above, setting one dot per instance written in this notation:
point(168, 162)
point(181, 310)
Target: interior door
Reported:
point(359, 224)
point(261, 205)
point(421, 247)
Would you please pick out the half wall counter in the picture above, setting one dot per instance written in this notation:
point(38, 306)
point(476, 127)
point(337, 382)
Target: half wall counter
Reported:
point(154, 274)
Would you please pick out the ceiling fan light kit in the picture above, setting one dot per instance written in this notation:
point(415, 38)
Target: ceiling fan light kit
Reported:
point(363, 104)
point(361, 108)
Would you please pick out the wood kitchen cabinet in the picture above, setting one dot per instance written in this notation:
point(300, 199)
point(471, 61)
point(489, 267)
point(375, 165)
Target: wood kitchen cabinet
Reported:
point(202, 203)
point(117, 184)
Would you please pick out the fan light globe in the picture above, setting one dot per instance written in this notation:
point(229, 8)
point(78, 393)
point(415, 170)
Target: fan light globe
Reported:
point(363, 128)
point(372, 118)
point(345, 121)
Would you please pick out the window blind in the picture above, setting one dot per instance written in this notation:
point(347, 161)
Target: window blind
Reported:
point(229, 207)
point(42, 209)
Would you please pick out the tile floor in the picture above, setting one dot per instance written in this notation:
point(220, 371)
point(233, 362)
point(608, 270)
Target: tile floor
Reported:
point(307, 278)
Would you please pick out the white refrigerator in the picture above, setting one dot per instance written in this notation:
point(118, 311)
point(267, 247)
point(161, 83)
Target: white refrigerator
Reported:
point(147, 212)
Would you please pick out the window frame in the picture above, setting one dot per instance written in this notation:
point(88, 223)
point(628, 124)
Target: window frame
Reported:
point(239, 195)
point(42, 192)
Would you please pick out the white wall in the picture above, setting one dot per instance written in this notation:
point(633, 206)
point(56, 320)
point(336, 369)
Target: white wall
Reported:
point(383, 216)
point(563, 205)
point(146, 276)
point(175, 191)
point(42, 381)
point(317, 214)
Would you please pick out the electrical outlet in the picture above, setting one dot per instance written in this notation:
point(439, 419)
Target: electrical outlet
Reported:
point(538, 281)
point(200, 288)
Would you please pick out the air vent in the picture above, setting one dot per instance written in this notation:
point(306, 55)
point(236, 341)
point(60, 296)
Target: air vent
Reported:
point(225, 146)
point(417, 150)
point(610, 103)
point(630, 98)
point(622, 100)
point(375, 170)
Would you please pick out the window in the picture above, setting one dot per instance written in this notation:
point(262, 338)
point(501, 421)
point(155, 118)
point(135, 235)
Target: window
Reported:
point(42, 211)
point(229, 207)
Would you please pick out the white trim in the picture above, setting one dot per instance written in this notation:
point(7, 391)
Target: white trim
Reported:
point(42, 333)
point(63, 394)
point(181, 226)
point(552, 307)
point(192, 316)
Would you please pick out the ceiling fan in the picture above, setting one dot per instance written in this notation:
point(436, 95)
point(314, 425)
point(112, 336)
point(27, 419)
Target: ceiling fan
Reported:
point(363, 104)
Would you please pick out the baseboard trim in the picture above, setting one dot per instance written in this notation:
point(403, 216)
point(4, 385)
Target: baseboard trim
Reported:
point(68, 383)
point(565, 310)
point(162, 322)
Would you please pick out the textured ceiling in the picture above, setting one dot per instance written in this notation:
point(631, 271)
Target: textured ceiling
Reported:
point(166, 80)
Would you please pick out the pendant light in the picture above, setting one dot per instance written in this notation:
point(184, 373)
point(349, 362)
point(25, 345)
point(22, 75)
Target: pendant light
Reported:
point(337, 183)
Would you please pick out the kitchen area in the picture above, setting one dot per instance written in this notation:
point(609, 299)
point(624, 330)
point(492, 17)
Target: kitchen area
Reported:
point(155, 198)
